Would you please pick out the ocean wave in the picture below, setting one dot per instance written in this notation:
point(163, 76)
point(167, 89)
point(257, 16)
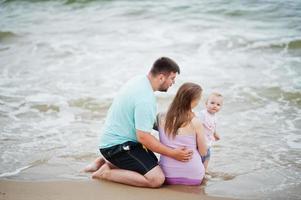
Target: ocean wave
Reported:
point(243, 44)
point(273, 94)
point(80, 1)
point(66, 2)
point(221, 176)
point(90, 104)
point(79, 157)
point(19, 170)
point(277, 94)
point(295, 44)
point(7, 35)
point(46, 108)
point(14, 173)
point(290, 44)
point(32, 1)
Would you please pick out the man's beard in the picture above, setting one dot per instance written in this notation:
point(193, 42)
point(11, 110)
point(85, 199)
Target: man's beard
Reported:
point(162, 88)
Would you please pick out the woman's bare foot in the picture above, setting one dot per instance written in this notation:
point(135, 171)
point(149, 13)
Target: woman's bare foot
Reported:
point(100, 173)
point(94, 166)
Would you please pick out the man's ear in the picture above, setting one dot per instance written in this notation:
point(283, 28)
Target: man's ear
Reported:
point(161, 78)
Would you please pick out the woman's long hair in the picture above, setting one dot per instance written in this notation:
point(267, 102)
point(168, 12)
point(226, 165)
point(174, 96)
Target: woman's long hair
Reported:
point(179, 111)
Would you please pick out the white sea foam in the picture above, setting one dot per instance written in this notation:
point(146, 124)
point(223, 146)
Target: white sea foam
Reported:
point(14, 173)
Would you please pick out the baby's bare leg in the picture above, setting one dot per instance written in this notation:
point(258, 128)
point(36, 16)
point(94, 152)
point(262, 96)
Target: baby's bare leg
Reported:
point(206, 165)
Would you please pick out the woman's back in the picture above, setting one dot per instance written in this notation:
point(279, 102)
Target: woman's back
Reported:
point(177, 172)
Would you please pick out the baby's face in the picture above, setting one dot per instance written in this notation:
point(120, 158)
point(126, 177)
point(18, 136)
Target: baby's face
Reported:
point(214, 104)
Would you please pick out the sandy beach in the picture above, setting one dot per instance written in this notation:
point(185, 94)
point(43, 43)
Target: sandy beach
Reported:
point(62, 63)
point(94, 189)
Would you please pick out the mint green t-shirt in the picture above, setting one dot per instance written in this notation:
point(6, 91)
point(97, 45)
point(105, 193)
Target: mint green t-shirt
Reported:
point(133, 108)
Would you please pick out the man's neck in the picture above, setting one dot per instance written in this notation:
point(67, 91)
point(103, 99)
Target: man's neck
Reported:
point(152, 82)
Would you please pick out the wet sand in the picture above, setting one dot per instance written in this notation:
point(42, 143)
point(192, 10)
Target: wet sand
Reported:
point(95, 189)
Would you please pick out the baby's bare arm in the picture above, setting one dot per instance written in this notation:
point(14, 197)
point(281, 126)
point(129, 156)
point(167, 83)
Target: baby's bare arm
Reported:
point(216, 136)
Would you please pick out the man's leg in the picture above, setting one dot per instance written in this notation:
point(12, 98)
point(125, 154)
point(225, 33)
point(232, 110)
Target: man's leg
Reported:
point(154, 178)
point(134, 166)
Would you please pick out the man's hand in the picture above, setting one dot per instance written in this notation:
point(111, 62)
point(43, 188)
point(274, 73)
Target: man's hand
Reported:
point(182, 154)
point(153, 144)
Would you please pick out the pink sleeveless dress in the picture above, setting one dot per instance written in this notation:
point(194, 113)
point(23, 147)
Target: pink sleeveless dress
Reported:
point(182, 173)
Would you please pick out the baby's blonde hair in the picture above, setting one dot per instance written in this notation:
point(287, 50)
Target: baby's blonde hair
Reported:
point(216, 94)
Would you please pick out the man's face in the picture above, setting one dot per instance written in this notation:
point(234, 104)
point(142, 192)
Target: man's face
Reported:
point(167, 81)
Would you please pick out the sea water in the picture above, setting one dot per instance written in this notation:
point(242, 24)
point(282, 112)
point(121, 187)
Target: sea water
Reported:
point(62, 63)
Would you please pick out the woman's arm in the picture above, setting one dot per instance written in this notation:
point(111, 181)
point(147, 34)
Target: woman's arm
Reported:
point(200, 136)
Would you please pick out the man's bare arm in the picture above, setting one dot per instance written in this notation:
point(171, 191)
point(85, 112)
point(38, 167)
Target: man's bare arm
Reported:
point(151, 143)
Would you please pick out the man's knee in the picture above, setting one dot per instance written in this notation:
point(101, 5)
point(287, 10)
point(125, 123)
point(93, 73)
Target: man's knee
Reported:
point(156, 181)
point(155, 178)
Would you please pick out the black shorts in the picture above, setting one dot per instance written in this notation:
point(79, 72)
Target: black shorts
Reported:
point(130, 156)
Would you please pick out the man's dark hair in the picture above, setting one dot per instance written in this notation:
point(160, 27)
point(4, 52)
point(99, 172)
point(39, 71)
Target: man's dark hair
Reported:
point(164, 65)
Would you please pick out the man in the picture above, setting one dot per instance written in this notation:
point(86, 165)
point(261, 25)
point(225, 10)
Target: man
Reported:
point(126, 142)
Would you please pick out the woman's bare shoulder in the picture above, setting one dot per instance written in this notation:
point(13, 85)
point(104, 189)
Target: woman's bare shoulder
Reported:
point(197, 123)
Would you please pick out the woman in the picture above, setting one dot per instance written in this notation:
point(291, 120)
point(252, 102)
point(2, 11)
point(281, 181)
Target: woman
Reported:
point(179, 127)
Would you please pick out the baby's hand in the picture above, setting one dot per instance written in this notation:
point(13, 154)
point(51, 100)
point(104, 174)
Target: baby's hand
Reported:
point(216, 136)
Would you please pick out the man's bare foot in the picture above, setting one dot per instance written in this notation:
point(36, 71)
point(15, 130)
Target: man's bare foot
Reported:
point(99, 174)
point(94, 166)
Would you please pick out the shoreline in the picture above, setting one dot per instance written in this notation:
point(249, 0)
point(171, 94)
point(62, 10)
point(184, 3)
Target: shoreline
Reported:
point(95, 189)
